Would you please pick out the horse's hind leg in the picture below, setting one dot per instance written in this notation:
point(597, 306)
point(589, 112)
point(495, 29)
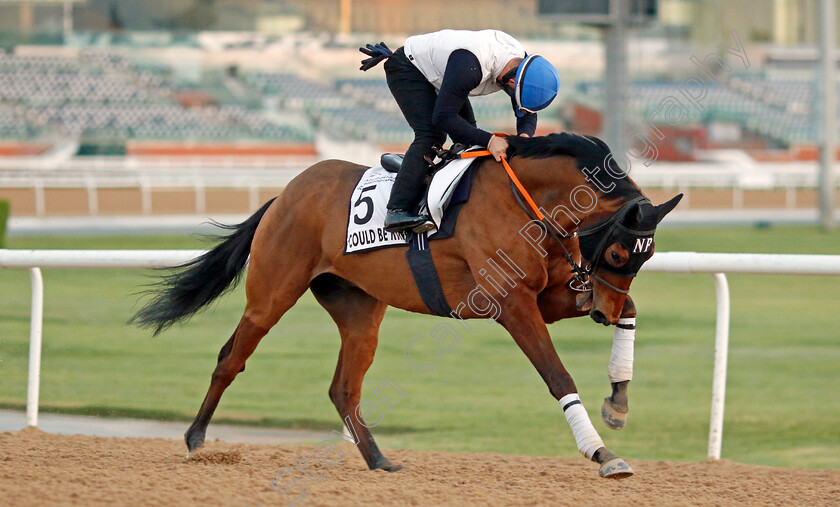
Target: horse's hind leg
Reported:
point(231, 361)
point(270, 294)
point(357, 316)
point(615, 408)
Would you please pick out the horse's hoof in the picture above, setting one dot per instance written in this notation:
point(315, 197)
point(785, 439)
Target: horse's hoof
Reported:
point(388, 465)
point(615, 468)
point(614, 419)
point(194, 440)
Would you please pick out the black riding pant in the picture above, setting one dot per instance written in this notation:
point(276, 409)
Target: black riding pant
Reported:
point(416, 98)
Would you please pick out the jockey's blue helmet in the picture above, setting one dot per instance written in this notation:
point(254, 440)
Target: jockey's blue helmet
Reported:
point(537, 82)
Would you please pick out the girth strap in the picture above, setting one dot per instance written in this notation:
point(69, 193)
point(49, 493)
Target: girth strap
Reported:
point(425, 275)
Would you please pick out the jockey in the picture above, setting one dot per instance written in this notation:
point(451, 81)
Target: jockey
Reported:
point(432, 77)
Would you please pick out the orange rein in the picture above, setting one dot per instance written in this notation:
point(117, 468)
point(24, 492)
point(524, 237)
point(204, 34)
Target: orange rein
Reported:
point(511, 175)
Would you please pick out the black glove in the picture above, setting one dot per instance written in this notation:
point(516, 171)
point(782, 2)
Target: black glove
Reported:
point(377, 53)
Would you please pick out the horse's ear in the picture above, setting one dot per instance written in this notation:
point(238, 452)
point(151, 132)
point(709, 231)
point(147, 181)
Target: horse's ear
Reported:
point(665, 208)
point(633, 217)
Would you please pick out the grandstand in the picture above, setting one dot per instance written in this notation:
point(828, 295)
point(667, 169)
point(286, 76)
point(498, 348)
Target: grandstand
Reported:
point(103, 97)
point(778, 110)
point(99, 97)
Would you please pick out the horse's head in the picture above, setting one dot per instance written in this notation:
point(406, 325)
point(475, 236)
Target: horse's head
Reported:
point(615, 249)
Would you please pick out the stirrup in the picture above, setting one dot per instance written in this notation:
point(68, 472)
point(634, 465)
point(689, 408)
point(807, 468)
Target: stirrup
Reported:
point(408, 220)
point(428, 225)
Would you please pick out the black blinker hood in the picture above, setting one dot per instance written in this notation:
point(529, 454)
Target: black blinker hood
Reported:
point(638, 240)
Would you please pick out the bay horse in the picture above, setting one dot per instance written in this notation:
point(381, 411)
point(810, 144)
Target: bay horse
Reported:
point(296, 242)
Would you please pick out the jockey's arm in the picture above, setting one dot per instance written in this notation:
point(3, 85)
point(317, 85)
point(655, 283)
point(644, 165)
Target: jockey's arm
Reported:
point(462, 75)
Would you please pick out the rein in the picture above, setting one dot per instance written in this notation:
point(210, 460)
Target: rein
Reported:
point(581, 275)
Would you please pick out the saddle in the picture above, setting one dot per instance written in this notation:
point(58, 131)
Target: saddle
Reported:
point(392, 162)
point(441, 183)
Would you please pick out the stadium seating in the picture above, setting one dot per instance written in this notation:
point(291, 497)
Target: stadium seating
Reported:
point(100, 96)
point(778, 109)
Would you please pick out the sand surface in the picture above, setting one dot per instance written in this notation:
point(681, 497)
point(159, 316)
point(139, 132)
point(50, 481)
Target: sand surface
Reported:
point(38, 468)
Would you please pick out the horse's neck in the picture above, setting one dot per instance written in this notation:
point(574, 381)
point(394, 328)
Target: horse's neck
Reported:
point(562, 192)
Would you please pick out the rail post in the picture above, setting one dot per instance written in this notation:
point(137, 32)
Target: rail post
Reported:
point(719, 376)
point(35, 333)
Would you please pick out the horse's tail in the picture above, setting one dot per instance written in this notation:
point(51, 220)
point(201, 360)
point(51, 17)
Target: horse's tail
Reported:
point(195, 284)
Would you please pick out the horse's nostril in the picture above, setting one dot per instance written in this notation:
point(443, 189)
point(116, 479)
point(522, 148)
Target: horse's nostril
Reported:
point(598, 316)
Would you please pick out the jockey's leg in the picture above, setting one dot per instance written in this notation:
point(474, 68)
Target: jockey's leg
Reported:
point(409, 181)
point(620, 370)
point(416, 98)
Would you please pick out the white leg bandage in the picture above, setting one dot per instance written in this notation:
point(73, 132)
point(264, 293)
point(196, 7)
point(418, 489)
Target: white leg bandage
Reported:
point(621, 360)
point(586, 437)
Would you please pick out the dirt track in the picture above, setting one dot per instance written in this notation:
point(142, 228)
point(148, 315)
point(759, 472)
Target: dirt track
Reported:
point(38, 468)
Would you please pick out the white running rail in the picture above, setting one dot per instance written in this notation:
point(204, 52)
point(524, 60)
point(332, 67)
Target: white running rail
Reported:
point(715, 264)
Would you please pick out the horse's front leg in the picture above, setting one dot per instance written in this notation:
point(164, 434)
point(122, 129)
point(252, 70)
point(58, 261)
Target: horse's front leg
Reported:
point(615, 408)
point(521, 317)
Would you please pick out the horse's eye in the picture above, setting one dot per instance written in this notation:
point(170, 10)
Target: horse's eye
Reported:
point(617, 256)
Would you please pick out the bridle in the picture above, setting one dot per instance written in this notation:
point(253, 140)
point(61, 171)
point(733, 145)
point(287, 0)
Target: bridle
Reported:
point(582, 275)
point(610, 225)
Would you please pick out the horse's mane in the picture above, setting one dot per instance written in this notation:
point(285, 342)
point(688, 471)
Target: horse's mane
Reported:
point(588, 151)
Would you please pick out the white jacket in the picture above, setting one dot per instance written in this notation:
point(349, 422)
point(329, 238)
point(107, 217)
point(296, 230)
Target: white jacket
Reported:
point(493, 48)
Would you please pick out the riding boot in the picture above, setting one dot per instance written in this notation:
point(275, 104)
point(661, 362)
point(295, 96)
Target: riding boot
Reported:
point(402, 211)
point(397, 219)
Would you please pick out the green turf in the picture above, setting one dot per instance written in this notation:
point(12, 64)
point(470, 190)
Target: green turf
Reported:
point(782, 403)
